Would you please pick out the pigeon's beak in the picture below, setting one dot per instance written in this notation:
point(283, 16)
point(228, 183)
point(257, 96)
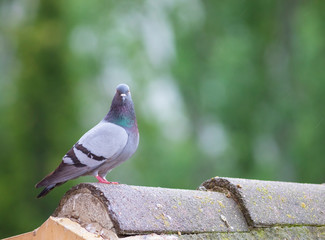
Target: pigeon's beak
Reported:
point(123, 95)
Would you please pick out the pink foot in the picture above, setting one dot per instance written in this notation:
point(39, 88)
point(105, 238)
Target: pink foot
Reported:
point(103, 180)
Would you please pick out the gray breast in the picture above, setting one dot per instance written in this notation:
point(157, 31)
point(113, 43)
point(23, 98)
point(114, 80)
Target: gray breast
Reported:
point(129, 149)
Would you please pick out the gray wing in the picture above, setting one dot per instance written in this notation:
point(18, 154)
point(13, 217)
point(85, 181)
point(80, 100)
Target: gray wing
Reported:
point(103, 142)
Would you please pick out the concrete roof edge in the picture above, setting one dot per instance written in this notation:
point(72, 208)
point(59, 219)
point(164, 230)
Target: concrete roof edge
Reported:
point(226, 205)
point(271, 203)
point(131, 210)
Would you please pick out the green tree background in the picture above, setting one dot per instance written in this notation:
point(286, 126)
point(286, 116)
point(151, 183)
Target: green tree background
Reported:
point(227, 88)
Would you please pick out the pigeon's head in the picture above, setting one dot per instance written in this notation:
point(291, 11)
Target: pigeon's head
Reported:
point(122, 109)
point(123, 92)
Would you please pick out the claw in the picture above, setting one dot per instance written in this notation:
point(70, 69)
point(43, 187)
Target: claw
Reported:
point(103, 180)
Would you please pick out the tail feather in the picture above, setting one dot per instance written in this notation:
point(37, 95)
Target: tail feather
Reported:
point(47, 189)
point(63, 173)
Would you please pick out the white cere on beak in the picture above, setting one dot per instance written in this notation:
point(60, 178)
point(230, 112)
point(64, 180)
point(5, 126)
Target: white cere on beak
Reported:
point(123, 95)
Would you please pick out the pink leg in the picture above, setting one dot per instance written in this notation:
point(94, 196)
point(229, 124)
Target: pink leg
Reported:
point(103, 180)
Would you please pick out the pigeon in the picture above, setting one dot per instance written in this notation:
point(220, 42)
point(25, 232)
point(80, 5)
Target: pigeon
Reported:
point(112, 141)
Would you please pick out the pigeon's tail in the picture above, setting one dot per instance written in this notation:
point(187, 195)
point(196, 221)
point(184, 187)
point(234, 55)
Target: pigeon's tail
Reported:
point(48, 189)
point(63, 173)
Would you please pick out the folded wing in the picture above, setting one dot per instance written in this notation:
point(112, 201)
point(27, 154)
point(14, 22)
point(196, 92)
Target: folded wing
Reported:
point(102, 143)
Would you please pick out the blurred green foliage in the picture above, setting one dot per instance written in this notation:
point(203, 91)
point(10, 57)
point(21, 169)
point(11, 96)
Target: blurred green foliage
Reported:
point(228, 88)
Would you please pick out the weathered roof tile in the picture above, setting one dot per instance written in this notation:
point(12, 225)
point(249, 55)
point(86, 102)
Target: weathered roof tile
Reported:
point(135, 210)
point(268, 203)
